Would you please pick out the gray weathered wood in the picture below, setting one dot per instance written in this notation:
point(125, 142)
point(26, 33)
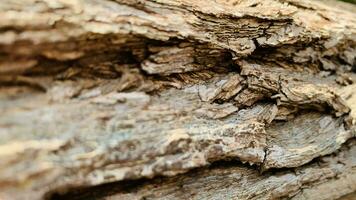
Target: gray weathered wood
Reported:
point(95, 92)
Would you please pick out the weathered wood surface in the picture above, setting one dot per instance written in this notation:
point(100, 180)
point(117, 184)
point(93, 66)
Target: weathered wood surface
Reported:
point(350, 196)
point(94, 92)
point(325, 178)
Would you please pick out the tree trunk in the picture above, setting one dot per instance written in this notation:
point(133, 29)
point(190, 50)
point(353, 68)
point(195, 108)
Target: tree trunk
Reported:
point(177, 99)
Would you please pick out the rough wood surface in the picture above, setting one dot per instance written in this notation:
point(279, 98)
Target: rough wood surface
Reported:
point(94, 92)
point(325, 178)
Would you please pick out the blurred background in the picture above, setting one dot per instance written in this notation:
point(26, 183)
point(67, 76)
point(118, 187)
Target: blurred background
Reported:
point(350, 1)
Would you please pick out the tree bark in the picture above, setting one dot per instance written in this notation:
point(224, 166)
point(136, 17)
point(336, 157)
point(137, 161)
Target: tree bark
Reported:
point(177, 99)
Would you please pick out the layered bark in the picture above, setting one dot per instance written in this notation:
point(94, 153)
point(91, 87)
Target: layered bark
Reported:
point(325, 178)
point(94, 92)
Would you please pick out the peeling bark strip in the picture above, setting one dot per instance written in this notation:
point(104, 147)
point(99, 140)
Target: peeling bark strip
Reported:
point(94, 92)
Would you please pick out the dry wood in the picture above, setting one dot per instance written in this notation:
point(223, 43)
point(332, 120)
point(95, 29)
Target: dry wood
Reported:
point(94, 92)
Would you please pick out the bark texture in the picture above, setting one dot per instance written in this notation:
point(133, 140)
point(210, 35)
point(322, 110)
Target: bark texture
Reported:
point(244, 99)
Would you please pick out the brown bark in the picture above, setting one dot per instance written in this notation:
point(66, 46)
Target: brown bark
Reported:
point(95, 92)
